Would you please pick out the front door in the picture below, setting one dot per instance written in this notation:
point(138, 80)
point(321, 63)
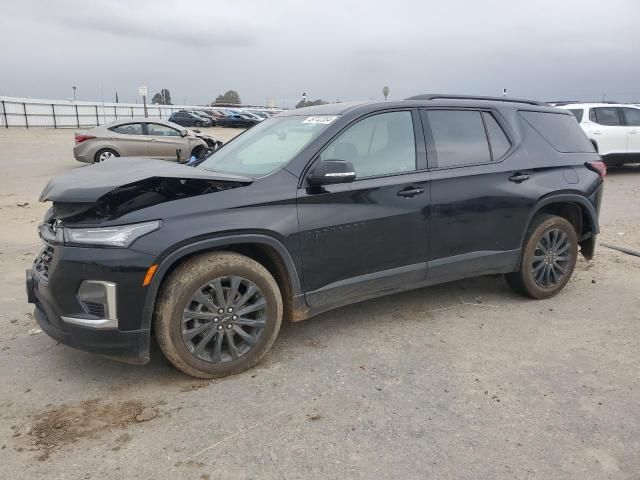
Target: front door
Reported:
point(164, 141)
point(361, 238)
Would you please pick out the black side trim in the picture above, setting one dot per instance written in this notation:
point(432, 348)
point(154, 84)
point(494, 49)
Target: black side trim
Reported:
point(473, 263)
point(377, 283)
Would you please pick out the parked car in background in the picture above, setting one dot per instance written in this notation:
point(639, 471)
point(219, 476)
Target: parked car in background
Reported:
point(310, 210)
point(207, 115)
point(236, 120)
point(219, 113)
point(140, 137)
point(253, 116)
point(614, 129)
point(189, 119)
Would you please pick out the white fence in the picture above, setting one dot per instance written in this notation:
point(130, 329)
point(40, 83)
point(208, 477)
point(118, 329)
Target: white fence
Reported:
point(31, 112)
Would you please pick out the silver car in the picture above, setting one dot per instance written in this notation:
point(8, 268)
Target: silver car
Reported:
point(140, 137)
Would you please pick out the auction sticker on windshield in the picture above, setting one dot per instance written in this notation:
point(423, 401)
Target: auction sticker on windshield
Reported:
point(323, 119)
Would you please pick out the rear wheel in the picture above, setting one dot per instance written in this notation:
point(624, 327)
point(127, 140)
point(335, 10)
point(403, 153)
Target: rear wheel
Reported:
point(548, 258)
point(218, 314)
point(104, 154)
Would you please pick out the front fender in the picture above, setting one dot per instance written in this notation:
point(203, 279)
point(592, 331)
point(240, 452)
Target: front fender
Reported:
point(207, 244)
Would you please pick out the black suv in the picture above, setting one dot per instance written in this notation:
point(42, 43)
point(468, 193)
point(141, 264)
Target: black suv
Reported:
point(310, 210)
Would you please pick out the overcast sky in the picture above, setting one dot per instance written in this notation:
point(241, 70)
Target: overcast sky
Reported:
point(330, 49)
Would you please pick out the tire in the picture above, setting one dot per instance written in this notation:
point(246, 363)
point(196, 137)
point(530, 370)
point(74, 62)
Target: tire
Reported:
point(104, 154)
point(531, 280)
point(185, 288)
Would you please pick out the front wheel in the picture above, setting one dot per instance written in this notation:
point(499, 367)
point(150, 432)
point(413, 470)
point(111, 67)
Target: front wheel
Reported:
point(548, 258)
point(217, 314)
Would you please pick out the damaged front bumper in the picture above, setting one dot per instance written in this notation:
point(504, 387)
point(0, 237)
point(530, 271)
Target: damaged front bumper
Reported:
point(87, 299)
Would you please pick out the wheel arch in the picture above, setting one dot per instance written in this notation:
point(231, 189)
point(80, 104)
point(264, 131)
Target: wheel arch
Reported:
point(578, 211)
point(266, 250)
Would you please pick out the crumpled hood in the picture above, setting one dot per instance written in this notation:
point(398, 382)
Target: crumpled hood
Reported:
point(88, 184)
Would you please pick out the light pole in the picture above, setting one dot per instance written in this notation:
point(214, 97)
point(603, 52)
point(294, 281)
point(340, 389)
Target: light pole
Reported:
point(385, 92)
point(74, 93)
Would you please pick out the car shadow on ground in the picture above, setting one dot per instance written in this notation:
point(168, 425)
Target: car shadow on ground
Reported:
point(490, 291)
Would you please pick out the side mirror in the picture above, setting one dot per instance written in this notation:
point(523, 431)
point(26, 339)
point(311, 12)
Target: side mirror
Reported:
point(183, 133)
point(332, 171)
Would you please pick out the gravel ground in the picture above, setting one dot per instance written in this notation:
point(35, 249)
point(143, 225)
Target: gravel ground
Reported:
point(462, 381)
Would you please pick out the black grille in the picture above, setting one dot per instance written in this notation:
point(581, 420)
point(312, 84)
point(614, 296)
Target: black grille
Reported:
point(43, 262)
point(96, 309)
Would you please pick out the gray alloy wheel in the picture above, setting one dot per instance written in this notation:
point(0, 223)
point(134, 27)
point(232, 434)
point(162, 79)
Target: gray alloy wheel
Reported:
point(223, 319)
point(551, 258)
point(548, 257)
point(217, 314)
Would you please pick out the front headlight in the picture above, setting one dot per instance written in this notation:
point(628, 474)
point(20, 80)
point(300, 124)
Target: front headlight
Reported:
point(118, 236)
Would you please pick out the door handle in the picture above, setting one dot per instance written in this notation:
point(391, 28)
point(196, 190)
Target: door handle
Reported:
point(633, 132)
point(596, 132)
point(409, 192)
point(519, 177)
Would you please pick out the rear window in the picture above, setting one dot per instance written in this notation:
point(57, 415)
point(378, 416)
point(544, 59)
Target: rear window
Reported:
point(128, 129)
point(578, 113)
point(560, 130)
point(459, 137)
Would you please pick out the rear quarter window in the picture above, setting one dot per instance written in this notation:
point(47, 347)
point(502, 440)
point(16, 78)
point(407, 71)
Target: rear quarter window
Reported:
point(559, 129)
point(578, 113)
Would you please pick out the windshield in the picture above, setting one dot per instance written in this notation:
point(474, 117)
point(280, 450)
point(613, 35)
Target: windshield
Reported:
point(267, 146)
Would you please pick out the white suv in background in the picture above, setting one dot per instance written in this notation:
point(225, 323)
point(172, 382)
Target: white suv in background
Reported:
point(613, 128)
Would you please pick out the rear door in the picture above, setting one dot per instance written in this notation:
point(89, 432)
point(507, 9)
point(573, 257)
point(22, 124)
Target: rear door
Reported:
point(370, 235)
point(480, 204)
point(632, 122)
point(129, 139)
point(608, 131)
point(165, 140)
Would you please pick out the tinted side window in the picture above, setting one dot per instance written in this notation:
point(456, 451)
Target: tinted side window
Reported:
point(632, 117)
point(378, 145)
point(592, 115)
point(560, 130)
point(497, 138)
point(157, 130)
point(578, 113)
point(128, 129)
point(459, 137)
point(607, 116)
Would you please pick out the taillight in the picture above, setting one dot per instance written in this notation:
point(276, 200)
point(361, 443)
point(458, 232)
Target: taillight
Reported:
point(81, 138)
point(599, 167)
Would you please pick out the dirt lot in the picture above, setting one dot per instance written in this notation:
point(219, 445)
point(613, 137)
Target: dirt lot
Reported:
point(461, 381)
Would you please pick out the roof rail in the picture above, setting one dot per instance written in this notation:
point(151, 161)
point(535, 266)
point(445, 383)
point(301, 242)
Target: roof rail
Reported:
point(438, 96)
